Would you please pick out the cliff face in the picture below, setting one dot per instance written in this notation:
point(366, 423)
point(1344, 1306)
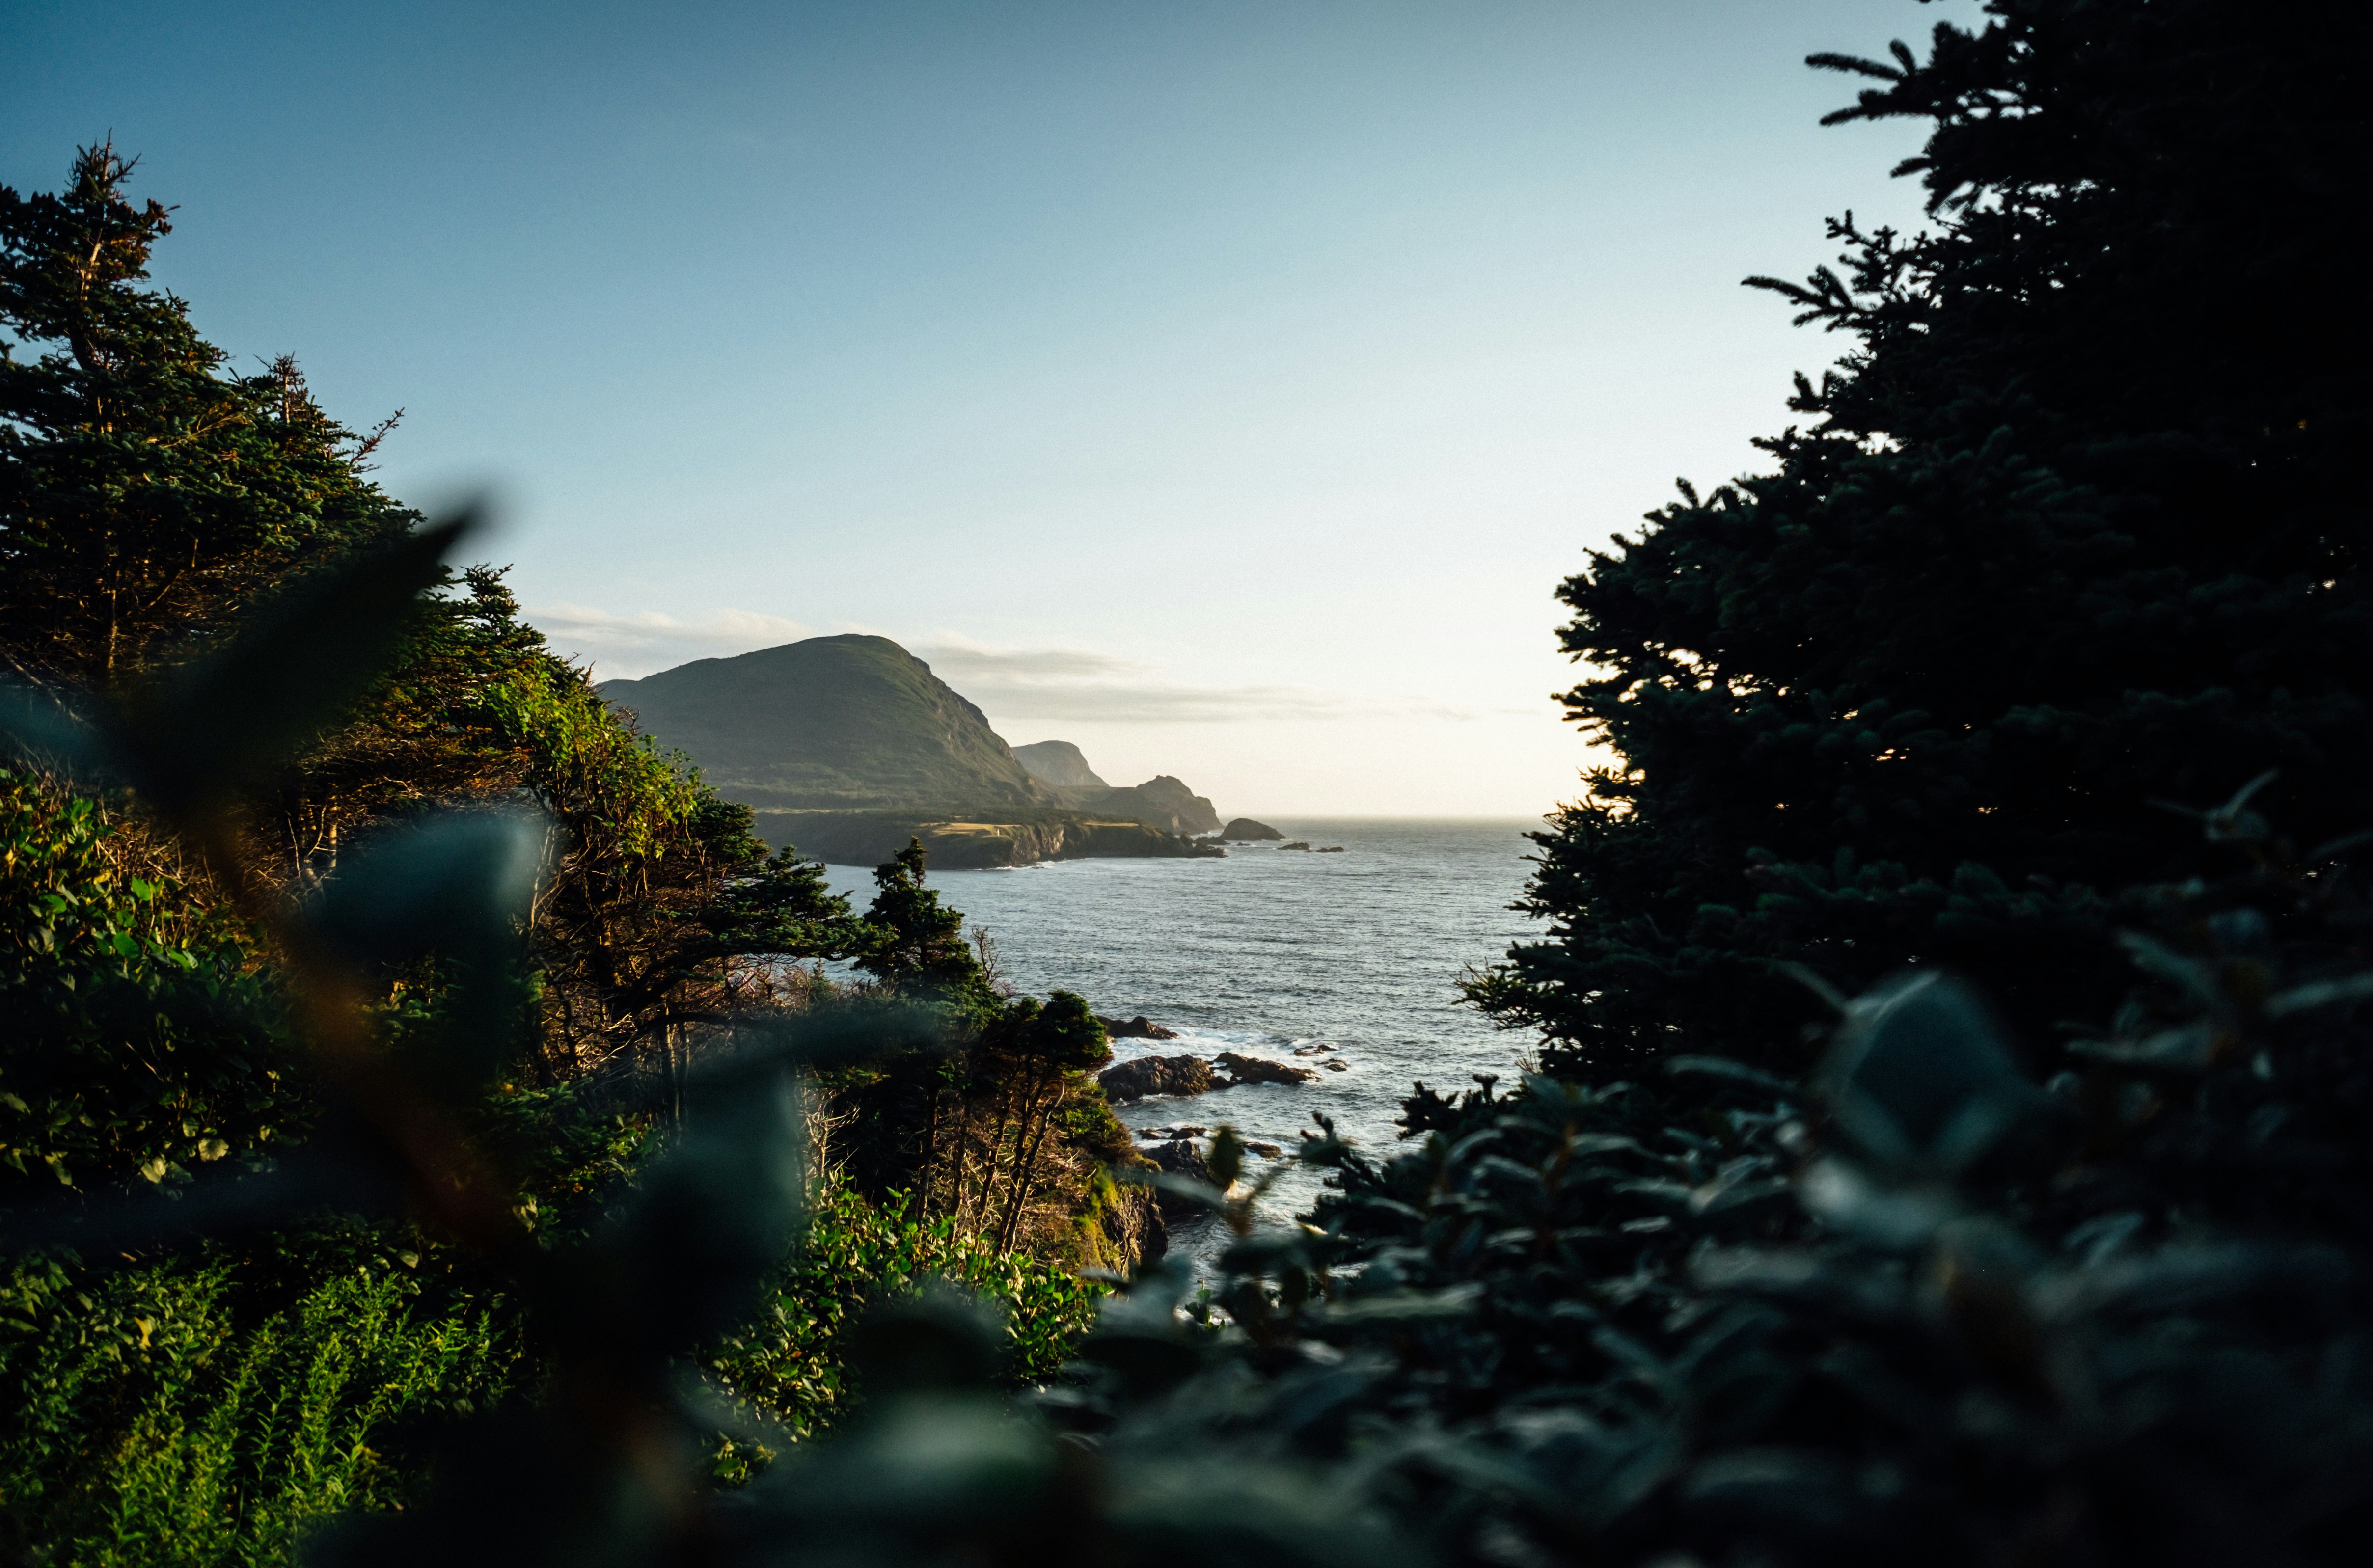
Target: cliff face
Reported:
point(868, 838)
point(1059, 763)
point(1161, 801)
point(834, 722)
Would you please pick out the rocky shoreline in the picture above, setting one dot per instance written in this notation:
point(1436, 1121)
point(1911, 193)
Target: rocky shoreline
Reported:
point(868, 838)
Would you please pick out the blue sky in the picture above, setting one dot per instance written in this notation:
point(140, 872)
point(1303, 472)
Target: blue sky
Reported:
point(1223, 387)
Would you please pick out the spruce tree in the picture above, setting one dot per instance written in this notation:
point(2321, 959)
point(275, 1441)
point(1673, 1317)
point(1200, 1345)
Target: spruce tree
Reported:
point(2077, 525)
point(148, 495)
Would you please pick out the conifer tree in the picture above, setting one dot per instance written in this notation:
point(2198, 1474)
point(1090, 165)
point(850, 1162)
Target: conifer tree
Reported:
point(148, 496)
point(919, 943)
point(2077, 524)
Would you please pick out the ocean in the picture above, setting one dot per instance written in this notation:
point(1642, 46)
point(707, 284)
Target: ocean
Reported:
point(1270, 950)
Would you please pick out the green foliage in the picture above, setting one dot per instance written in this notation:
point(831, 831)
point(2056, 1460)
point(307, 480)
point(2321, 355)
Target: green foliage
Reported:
point(1966, 1291)
point(621, 796)
point(2077, 524)
point(154, 1422)
point(996, 1121)
point(326, 732)
point(919, 945)
point(142, 1045)
point(855, 1258)
point(665, 905)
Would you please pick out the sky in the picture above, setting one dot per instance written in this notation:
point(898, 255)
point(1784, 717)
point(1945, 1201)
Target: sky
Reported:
point(1224, 388)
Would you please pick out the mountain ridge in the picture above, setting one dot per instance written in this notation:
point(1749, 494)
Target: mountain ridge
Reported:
point(848, 744)
point(851, 721)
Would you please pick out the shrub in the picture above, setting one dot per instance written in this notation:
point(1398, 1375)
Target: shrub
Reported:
point(151, 1425)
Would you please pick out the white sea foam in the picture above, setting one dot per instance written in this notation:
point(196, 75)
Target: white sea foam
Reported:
point(1270, 950)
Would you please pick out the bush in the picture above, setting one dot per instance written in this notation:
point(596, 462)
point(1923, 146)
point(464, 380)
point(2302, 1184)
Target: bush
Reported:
point(151, 1424)
point(858, 1257)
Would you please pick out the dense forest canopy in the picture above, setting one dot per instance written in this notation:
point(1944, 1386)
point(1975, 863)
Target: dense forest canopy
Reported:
point(1952, 1135)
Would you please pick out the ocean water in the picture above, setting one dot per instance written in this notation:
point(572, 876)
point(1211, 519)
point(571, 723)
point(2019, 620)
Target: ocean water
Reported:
point(1270, 950)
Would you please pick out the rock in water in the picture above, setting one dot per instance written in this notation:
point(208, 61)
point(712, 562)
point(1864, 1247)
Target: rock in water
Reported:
point(1252, 1069)
point(1182, 1156)
point(1245, 830)
point(1156, 1075)
point(1136, 1028)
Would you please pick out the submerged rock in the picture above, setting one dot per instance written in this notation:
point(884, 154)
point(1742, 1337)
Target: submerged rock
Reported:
point(1156, 1075)
point(1253, 1070)
point(1266, 1151)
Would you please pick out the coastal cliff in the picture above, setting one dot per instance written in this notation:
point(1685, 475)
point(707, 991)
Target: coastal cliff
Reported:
point(864, 839)
point(847, 746)
point(1059, 763)
point(1161, 803)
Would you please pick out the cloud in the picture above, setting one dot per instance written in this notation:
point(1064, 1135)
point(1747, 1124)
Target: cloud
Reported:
point(636, 644)
point(1082, 684)
point(1040, 683)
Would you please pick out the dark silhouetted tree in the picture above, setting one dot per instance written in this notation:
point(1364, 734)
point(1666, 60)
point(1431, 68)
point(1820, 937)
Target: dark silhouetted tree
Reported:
point(2078, 523)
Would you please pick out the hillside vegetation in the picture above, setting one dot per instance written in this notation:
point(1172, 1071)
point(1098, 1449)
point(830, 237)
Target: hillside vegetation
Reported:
point(357, 963)
point(1947, 1131)
point(830, 723)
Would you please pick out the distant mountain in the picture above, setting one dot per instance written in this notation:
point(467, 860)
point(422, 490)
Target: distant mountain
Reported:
point(1057, 762)
point(846, 746)
point(833, 722)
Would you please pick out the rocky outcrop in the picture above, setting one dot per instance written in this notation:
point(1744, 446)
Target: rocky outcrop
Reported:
point(1180, 1157)
point(1137, 1028)
point(868, 838)
point(1161, 801)
point(1245, 830)
point(1253, 1070)
point(1059, 762)
point(1156, 1075)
